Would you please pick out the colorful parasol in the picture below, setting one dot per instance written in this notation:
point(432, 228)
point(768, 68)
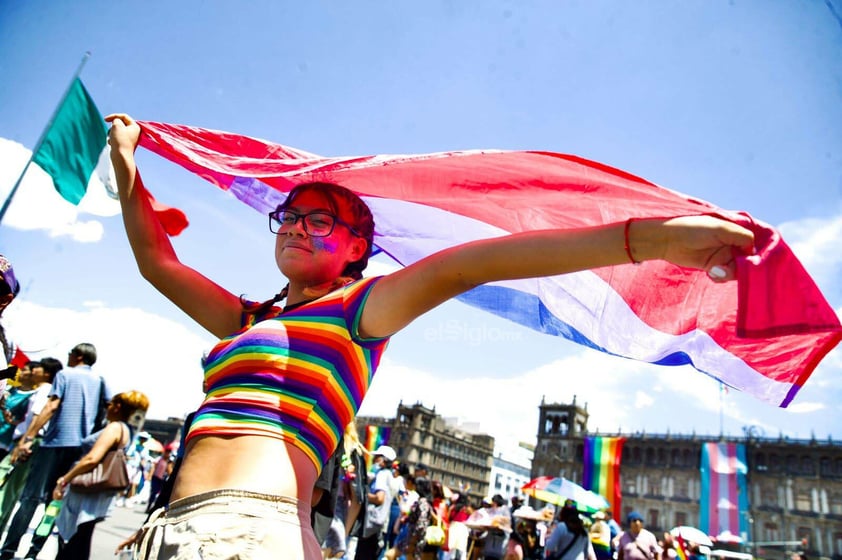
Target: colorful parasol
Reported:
point(558, 490)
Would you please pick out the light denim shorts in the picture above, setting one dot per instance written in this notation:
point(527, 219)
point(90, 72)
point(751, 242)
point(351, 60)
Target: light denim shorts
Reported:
point(229, 525)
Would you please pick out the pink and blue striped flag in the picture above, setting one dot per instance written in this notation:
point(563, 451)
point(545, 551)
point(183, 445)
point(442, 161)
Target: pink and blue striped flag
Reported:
point(724, 496)
point(764, 334)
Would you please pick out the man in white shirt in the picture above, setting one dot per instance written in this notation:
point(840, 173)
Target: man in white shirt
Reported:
point(371, 544)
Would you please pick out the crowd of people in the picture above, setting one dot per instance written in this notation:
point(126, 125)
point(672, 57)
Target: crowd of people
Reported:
point(58, 422)
point(395, 512)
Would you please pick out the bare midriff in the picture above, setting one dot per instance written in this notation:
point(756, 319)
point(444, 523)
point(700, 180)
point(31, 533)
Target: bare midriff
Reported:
point(253, 463)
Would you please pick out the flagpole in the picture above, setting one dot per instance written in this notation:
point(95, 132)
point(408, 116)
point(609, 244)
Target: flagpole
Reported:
point(37, 147)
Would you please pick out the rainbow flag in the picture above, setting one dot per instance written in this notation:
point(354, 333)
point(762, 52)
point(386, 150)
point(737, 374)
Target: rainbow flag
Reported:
point(724, 494)
point(375, 436)
point(602, 469)
point(680, 548)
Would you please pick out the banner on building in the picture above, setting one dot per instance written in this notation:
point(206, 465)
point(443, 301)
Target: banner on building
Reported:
point(375, 436)
point(724, 493)
point(602, 469)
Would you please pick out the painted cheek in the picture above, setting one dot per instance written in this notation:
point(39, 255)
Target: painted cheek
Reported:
point(325, 244)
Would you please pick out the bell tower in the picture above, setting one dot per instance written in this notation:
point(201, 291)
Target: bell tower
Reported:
point(561, 430)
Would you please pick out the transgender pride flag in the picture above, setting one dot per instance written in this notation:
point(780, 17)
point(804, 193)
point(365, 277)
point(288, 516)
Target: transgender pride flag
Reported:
point(601, 470)
point(724, 495)
point(764, 334)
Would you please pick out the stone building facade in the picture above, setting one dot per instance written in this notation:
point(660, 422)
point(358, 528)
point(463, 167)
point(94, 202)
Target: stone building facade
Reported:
point(460, 459)
point(795, 487)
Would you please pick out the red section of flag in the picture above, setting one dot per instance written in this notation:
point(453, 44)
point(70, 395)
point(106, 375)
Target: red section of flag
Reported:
point(173, 220)
point(19, 359)
point(775, 320)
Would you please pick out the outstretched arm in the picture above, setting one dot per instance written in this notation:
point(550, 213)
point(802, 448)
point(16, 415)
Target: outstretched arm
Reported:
point(700, 242)
point(206, 302)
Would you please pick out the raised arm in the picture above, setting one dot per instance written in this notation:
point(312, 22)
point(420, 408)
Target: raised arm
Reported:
point(206, 302)
point(700, 242)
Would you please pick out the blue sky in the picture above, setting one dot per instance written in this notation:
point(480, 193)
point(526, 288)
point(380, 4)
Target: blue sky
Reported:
point(738, 103)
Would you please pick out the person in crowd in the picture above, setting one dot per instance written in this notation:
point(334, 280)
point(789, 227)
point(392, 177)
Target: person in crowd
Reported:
point(421, 515)
point(15, 403)
point(334, 316)
point(71, 410)
point(458, 533)
point(400, 471)
point(614, 529)
point(405, 503)
point(160, 472)
point(497, 536)
point(139, 460)
point(600, 535)
point(41, 377)
point(80, 512)
point(441, 508)
point(637, 543)
point(372, 541)
point(9, 289)
point(516, 502)
point(421, 471)
point(524, 541)
point(569, 540)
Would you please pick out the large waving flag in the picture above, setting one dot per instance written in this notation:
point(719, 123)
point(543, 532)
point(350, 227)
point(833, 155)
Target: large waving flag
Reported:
point(764, 334)
point(601, 469)
point(724, 494)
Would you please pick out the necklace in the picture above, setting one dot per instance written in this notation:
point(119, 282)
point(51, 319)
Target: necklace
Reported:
point(292, 306)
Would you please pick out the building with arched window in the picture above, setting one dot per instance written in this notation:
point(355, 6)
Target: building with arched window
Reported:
point(794, 486)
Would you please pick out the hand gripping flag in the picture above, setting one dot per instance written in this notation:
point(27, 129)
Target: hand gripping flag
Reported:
point(764, 334)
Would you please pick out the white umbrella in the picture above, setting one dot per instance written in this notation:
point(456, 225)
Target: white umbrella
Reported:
point(691, 534)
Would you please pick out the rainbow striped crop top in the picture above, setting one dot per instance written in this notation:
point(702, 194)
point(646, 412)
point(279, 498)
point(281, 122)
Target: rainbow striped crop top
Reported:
point(298, 376)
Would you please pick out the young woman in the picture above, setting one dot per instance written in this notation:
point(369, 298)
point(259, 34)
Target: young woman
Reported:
point(81, 512)
point(283, 382)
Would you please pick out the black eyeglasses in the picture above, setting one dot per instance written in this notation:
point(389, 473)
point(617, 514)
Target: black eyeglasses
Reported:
point(316, 224)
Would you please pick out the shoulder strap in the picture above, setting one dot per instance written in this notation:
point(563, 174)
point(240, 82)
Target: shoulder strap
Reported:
point(120, 444)
point(640, 548)
point(567, 548)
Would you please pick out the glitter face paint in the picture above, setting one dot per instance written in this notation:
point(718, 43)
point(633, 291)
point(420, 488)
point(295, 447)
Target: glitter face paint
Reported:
point(324, 244)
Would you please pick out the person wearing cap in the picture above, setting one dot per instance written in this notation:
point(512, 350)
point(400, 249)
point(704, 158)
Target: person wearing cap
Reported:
point(637, 543)
point(371, 543)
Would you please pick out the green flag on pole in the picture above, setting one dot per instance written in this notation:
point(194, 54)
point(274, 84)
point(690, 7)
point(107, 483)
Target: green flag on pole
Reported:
point(73, 144)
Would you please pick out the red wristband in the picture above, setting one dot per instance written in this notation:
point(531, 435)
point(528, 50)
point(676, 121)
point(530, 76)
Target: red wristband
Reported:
point(626, 245)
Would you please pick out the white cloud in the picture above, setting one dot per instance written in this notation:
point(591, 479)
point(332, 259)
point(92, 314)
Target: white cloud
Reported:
point(642, 400)
point(805, 407)
point(136, 349)
point(37, 205)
